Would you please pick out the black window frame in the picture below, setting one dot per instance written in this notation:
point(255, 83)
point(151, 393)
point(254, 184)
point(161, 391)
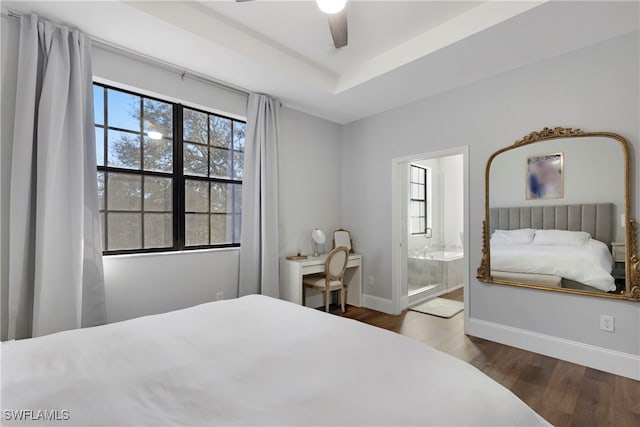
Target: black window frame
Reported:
point(178, 176)
point(422, 200)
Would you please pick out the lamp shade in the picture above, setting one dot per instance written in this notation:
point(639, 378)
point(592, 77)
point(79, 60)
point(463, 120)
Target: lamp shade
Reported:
point(331, 6)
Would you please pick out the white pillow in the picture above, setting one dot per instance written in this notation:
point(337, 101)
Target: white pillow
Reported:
point(561, 238)
point(522, 236)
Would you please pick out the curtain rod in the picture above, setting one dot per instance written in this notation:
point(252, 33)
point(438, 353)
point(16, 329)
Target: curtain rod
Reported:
point(167, 66)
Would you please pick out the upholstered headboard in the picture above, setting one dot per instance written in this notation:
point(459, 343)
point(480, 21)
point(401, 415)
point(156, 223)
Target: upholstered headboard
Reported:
point(596, 219)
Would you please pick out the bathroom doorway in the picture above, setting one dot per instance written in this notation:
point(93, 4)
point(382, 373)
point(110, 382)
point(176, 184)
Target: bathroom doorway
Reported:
point(435, 254)
point(430, 218)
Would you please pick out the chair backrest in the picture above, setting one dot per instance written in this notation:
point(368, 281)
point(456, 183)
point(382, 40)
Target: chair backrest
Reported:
point(336, 263)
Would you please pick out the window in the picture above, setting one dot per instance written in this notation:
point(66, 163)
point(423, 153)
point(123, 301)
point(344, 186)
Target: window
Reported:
point(169, 177)
point(418, 194)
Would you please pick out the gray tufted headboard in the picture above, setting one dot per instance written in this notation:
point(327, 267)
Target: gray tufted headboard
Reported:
point(596, 219)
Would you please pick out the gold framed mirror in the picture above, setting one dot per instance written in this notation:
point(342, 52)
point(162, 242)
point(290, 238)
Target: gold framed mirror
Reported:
point(558, 215)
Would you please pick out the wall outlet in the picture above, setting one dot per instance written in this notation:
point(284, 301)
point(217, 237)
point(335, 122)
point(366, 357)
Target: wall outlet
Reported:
point(371, 281)
point(220, 296)
point(607, 323)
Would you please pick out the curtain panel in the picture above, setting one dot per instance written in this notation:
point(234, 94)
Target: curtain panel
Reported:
point(55, 262)
point(259, 242)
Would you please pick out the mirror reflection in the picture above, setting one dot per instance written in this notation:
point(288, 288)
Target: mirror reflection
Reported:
point(556, 215)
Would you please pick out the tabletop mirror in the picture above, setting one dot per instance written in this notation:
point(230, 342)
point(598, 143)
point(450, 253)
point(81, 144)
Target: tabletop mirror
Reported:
point(557, 215)
point(342, 237)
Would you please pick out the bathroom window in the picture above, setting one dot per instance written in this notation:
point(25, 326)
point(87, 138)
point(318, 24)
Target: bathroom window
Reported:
point(418, 203)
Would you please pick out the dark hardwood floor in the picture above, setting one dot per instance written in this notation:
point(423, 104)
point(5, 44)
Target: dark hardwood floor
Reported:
point(565, 394)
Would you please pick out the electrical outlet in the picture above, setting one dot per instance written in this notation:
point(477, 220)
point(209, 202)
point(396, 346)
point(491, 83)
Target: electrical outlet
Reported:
point(607, 323)
point(371, 281)
point(220, 296)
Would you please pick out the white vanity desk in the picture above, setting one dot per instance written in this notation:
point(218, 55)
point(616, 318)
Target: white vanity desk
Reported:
point(291, 272)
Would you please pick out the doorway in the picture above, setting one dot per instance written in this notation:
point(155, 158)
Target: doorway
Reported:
point(430, 222)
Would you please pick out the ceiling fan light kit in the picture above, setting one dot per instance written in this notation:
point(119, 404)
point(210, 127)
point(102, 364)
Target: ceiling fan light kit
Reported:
point(337, 20)
point(331, 6)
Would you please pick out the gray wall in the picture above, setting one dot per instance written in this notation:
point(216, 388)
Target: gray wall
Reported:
point(593, 89)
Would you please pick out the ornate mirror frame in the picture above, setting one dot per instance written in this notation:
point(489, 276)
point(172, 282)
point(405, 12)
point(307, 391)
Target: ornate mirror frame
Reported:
point(632, 259)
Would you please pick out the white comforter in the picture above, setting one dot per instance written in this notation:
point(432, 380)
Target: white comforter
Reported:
point(590, 264)
point(250, 361)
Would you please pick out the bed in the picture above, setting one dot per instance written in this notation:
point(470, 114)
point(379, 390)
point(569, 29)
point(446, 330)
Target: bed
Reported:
point(250, 361)
point(586, 268)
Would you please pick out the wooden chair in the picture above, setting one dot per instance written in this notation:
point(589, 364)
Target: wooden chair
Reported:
point(331, 280)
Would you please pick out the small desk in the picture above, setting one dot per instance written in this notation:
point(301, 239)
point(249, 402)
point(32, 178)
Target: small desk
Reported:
point(291, 273)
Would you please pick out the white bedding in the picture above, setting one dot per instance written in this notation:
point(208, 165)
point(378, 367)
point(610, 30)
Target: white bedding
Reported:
point(250, 361)
point(589, 264)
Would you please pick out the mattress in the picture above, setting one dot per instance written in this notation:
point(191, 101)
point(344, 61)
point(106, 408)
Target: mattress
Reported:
point(590, 264)
point(250, 361)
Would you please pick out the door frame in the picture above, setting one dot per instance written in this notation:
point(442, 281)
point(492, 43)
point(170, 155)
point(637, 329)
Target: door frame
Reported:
point(399, 224)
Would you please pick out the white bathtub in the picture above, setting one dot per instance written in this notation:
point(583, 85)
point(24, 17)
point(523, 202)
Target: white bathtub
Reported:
point(439, 255)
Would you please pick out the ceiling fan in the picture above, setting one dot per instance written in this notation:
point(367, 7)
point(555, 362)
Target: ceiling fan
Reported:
point(337, 19)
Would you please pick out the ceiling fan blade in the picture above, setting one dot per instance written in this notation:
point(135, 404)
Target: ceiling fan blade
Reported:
point(338, 27)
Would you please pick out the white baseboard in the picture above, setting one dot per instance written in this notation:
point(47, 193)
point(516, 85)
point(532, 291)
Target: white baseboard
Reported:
point(376, 303)
point(615, 362)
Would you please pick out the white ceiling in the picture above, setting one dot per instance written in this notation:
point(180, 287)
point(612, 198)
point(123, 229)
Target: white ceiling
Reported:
point(398, 52)
point(374, 27)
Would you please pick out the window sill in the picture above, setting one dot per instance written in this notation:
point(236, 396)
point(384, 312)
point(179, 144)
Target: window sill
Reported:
point(173, 253)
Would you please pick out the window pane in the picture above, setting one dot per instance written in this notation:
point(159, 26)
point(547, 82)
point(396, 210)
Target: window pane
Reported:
point(422, 225)
point(102, 223)
point(158, 194)
point(237, 228)
point(196, 196)
point(195, 159)
point(196, 229)
point(415, 191)
point(123, 149)
point(158, 230)
point(158, 154)
point(124, 192)
point(99, 146)
point(237, 197)
point(220, 163)
point(194, 125)
point(158, 117)
point(421, 192)
point(414, 174)
point(98, 104)
point(239, 130)
point(123, 110)
point(238, 165)
point(220, 132)
point(219, 196)
point(415, 225)
point(415, 209)
point(101, 191)
point(125, 231)
point(221, 229)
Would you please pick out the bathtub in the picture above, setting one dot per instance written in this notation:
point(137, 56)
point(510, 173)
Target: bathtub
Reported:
point(443, 269)
point(439, 255)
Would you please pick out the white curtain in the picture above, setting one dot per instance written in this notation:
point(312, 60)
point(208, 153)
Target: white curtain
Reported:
point(55, 262)
point(259, 243)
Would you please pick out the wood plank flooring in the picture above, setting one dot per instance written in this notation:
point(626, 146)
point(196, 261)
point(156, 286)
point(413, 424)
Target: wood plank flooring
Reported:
point(565, 394)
